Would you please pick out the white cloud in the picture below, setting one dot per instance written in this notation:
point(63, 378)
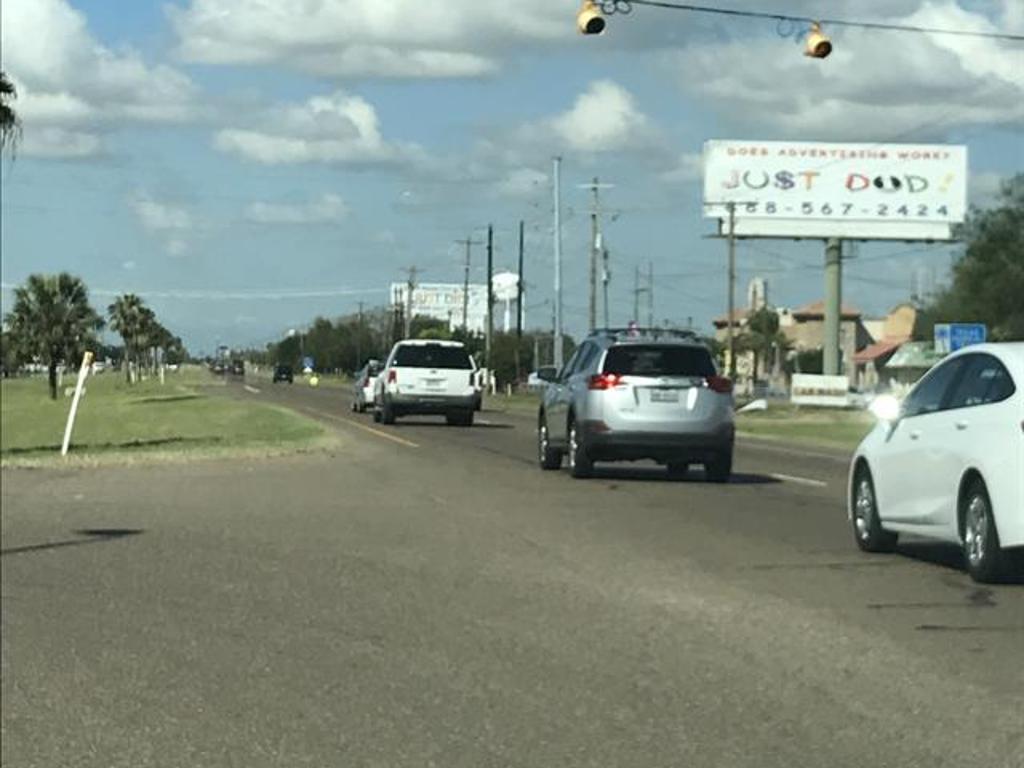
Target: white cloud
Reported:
point(875, 86)
point(54, 142)
point(160, 217)
point(365, 38)
point(71, 88)
point(689, 167)
point(176, 247)
point(339, 128)
point(328, 208)
point(604, 118)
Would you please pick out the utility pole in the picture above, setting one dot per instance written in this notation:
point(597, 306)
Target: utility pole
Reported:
point(557, 176)
point(650, 294)
point(409, 289)
point(490, 296)
point(595, 243)
point(605, 279)
point(833, 306)
point(636, 295)
point(730, 318)
point(519, 282)
point(359, 339)
point(519, 303)
point(469, 242)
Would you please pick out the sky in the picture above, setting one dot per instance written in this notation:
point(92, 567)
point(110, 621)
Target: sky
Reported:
point(247, 165)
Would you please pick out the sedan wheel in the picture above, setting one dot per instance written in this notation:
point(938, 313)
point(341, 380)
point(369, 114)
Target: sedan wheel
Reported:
point(985, 559)
point(867, 525)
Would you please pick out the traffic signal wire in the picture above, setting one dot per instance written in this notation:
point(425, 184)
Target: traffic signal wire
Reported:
point(621, 6)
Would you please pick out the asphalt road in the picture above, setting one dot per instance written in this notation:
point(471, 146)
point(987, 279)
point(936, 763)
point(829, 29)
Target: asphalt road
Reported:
point(427, 597)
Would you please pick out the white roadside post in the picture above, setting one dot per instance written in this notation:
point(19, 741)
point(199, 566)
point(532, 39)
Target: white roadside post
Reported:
point(82, 373)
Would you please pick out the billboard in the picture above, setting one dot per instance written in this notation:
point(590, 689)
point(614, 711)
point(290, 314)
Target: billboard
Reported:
point(861, 191)
point(443, 301)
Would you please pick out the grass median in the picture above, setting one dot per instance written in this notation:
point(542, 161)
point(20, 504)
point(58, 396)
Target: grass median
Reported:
point(805, 426)
point(180, 419)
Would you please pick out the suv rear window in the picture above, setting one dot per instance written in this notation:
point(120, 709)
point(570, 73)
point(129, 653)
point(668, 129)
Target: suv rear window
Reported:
point(658, 360)
point(433, 356)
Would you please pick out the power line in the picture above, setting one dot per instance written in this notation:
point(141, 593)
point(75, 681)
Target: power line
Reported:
point(824, 21)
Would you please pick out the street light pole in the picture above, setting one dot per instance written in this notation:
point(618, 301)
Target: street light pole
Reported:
point(557, 176)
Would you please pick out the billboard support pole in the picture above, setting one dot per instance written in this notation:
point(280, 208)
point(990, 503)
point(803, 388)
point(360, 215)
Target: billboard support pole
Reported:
point(833, 306)
point(730, 317)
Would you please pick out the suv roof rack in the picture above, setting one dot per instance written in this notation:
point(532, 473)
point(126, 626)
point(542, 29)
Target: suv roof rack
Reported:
point(636, 332)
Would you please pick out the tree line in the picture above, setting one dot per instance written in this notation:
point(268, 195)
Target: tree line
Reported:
point(345, 344)
point(53, 323)
point(988, 277)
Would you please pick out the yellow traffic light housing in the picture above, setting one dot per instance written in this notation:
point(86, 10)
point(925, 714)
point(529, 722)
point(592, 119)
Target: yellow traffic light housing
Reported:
point(819, 45)
point(590, 20)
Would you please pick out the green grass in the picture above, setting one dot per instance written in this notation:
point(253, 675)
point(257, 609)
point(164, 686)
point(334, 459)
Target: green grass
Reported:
point(808, 426)
point(181, 418)
point(518, 402)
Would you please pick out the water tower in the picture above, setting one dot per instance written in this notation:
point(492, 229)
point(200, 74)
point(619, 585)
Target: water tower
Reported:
point(506, 288)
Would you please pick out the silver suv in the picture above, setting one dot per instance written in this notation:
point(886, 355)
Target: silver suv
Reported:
point(632, 394)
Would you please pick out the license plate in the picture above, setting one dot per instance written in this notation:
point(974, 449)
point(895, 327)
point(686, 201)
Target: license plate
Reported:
point(664, 396)
point(434, 384)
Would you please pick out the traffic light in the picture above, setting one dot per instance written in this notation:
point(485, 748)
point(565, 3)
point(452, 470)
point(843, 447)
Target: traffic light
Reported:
point(819, 46)
point(589, 20)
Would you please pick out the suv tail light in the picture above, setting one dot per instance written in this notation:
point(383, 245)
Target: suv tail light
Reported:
point(366, 381)
point(603, 381)
point(392, 376)
point(719, 384)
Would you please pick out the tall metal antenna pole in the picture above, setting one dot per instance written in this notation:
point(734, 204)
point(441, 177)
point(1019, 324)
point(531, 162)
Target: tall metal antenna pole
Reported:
point(557, 176)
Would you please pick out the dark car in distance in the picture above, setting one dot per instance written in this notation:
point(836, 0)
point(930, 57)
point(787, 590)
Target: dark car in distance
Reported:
point(284, 373)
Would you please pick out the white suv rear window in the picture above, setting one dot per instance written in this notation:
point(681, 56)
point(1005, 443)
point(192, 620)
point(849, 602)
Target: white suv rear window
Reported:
point(433, 356)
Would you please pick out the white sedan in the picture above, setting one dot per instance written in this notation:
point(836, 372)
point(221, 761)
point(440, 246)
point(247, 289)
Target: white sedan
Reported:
point(948, 462)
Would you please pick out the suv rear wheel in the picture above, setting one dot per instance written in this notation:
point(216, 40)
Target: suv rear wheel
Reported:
point(580, 464)
point(459, 418)
point(387, 413)
point(678, 470)
point(550, 458)
point(718, 469)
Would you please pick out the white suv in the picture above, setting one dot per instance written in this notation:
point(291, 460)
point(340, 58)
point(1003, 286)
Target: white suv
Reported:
point(426, 377)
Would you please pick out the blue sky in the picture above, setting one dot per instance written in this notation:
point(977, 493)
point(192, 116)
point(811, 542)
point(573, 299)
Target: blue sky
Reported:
point(233, 161)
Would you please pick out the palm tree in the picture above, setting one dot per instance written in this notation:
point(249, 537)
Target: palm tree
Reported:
point(127, 317)
point(53, 321)
point(762, 337)
point(10, 125)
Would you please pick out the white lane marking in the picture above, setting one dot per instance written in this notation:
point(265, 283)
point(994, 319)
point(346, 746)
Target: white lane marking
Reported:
point(799, 480)
point(371, 430)
point(251, 389)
